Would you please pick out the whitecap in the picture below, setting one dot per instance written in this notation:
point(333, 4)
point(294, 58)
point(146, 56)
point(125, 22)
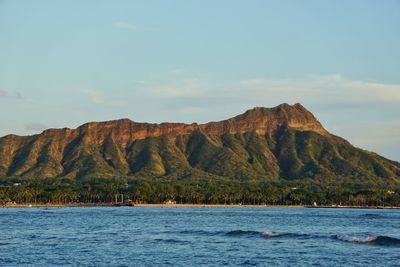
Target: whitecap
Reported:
point(357, 239)
point(272, 234)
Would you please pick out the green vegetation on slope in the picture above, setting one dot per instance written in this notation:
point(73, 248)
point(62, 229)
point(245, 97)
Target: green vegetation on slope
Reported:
point(288, 154)
point(289, 167)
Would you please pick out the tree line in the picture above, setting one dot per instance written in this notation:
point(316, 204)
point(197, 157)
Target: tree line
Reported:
point(103, 190)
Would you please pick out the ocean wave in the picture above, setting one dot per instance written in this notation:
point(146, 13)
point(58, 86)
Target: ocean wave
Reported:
point(270, 234)
point(232, 233)
point(371, 240)
point(243, 233)
point(198, 232)
point(265, 234)
point(371, 216)
point(171, 240)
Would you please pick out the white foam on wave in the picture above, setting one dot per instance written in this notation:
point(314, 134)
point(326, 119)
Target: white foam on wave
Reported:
point(271, 234)
point(357, 239)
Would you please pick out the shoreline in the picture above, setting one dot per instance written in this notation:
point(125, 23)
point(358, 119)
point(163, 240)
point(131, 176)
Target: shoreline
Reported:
point(78, 205)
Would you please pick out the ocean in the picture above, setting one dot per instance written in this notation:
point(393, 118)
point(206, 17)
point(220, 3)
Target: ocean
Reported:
point(198, 236)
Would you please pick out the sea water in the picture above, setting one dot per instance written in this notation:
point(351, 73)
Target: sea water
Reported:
point(201, 236)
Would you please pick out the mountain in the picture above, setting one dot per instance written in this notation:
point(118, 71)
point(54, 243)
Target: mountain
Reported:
point(263, 144)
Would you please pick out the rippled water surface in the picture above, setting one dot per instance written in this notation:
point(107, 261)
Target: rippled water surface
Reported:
point(138, 236)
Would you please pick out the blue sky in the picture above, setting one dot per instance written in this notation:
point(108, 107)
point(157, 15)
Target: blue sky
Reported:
point(63, 63)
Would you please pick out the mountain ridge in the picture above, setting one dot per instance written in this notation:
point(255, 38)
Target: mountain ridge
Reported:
point(284, 112)
point(283, 142)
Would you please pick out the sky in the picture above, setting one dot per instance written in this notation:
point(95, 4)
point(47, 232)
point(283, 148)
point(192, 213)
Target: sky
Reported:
point(64, 63)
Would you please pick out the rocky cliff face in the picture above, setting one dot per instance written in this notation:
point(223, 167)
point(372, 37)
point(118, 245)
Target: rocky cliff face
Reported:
point(286, 141)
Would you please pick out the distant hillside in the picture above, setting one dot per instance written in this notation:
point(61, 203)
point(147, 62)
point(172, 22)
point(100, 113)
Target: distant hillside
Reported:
point(263, 144)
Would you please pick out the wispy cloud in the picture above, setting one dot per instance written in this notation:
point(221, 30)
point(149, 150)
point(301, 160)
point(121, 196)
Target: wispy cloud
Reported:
point(125, 26)
point(328, 91)
point(184, 88)
point(191, 109)
point(95, 97)
point(101, 98)
point(7, 94)
point(35, 127)
point(324, 89)
point(131, 27)
point(177, 71)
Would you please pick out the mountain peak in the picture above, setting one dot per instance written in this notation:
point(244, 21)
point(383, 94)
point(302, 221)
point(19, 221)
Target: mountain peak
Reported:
point(284, 107)
point(267, 120)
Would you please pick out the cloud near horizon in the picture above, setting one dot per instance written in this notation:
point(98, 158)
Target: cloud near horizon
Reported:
point(95, 97)
point(183, 88)
point(328, 91)
point(35, 127)
point(131, 27)
point(103, 99)
point(125, 25)
point(6, 94)
point(334, 86)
